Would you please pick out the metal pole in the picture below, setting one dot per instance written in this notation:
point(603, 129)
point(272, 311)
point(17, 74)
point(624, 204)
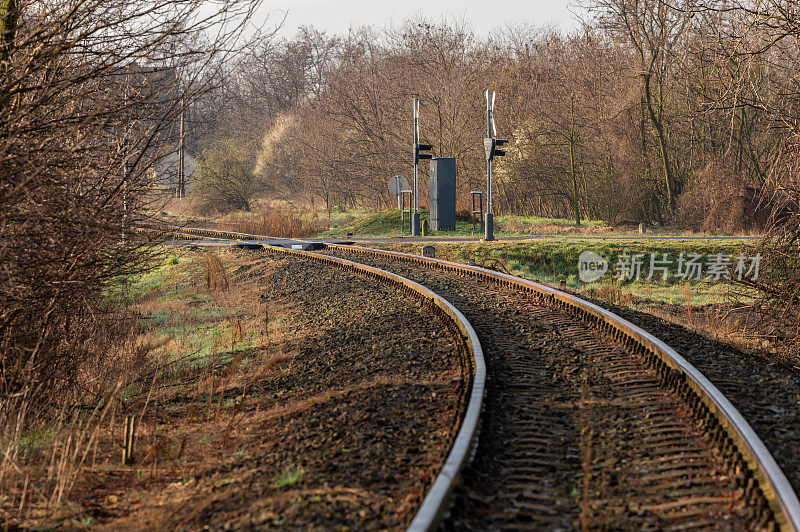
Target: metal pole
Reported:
point(415, 215)
point(473, 212)
point(480, 198)
point(489, 225)
point(401, 202)
point(181, 176)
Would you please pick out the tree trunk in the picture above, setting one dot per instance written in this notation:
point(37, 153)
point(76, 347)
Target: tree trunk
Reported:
point(9, 16)
point(576, 198)
point(8, 27)
point(662, 143)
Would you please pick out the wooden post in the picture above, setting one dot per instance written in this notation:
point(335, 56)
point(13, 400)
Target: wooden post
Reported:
point(130, 433)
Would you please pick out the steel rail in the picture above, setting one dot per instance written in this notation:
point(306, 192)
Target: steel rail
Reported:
point(436, 502)
point(738, 441)
point(202, 232)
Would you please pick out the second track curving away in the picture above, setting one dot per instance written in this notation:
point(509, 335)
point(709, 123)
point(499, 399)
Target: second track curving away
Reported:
point(435, 504)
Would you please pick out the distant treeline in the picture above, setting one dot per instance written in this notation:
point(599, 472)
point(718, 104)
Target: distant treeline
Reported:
point(654, 112)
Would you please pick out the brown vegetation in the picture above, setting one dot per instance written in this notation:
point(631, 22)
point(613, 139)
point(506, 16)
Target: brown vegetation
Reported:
point(717, 201)
point(778, 310)
point(614, 121)
point(284, 222)
point(88, 95)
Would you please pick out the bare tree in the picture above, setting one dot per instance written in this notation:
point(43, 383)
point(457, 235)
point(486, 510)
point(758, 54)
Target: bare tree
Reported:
point(757, 43)
point(655, 29)
point(88, 96)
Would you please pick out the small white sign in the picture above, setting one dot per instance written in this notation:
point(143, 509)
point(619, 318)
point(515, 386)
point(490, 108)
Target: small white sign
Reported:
point(397, 184)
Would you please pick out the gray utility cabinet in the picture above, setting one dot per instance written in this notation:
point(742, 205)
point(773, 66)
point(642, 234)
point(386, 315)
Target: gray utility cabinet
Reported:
point(443, 193)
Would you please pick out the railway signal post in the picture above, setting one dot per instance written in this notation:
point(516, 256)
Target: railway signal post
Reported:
point(490, 146)
point(418, 149)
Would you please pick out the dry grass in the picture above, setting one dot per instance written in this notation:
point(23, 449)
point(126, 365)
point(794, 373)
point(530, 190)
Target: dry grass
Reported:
point(44, 452)
point(723, 325)
point(283, 222)
point(46, 460)
point(614, 294)
point(183, 207)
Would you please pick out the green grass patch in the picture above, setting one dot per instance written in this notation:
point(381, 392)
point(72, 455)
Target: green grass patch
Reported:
point(289, 477)
point(170, 270)
point(200, 340)
point(555, 262)
point(188, 324)
point(387, 223)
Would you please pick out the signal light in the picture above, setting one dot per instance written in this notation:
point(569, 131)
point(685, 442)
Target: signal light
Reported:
point(499, 142)
point(418, 148)
point(490, 146)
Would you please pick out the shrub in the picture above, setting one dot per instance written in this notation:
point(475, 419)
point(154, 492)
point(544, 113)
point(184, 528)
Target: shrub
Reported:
point(718, 200)
point(227, 181)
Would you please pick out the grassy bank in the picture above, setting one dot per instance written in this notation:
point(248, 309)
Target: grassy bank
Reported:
point(284, 219)
point(250, 368)
point(387, 224)
point(555, 262)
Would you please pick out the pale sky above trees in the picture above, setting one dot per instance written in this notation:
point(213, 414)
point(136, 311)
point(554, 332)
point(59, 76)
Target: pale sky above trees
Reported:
point(337, 16)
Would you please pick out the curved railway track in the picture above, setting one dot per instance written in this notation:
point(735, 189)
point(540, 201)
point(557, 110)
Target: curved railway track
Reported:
point(589, 422)
point(634, 435)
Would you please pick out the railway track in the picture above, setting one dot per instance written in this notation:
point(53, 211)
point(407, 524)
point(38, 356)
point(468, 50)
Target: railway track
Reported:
point(588, 421)
point(590, 424)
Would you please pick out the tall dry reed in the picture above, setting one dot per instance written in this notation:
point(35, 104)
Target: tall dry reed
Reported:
point(282, 222)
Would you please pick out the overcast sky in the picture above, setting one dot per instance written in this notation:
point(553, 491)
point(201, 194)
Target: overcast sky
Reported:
point(484, 16)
